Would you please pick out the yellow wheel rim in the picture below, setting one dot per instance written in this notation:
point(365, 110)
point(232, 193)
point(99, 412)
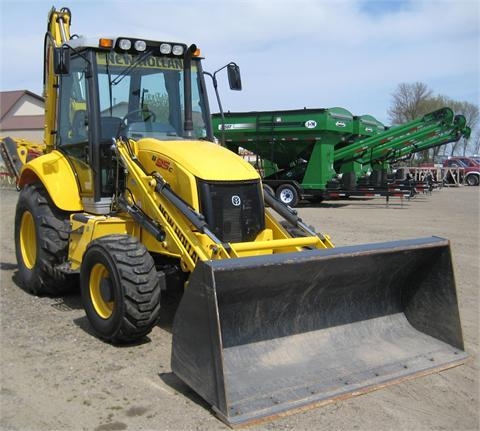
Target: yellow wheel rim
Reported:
point(28, 240)
point(98, 274)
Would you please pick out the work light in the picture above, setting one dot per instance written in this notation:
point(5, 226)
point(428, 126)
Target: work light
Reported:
point(140, 45)
point(177, 50)
point(124, 44)
point(165, 48)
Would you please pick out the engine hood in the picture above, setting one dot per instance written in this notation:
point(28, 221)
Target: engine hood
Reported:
point(203, 159)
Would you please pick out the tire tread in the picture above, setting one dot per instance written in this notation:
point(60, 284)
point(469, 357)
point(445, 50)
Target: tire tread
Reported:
point(138, 277)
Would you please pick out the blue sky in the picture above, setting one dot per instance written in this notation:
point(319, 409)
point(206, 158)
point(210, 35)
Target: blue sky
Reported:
point(292, 54)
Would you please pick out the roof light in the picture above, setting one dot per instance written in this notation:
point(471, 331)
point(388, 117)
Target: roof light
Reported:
point(197, 53)
point(140, 45)
point(125, 44)
point(177, 50)
point(105, 43)
point(165, 48)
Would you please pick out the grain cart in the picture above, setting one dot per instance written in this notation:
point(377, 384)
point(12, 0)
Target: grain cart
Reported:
point(321, 153)
point(133, 197)
point(296, 145)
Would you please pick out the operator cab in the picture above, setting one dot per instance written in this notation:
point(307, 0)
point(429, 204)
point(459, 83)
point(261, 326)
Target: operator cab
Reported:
point(129, 88)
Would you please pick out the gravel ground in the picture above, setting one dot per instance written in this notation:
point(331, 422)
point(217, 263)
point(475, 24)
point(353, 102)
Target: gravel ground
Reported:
point(56, 376)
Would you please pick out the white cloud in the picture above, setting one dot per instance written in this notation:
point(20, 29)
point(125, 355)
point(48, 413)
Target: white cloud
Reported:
point(292, 54)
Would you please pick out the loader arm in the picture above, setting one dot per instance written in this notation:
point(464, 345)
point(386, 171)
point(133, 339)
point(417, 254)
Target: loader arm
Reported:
point(58, 33)
point(180, 240)
point(187, 235)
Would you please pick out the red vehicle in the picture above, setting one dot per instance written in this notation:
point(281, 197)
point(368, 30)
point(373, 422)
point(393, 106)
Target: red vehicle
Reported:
point(471, 168)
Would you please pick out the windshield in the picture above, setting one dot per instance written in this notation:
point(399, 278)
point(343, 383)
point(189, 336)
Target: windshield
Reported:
point(141, 96)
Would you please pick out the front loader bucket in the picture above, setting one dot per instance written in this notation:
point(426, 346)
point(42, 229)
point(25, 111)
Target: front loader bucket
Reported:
point(259, 336)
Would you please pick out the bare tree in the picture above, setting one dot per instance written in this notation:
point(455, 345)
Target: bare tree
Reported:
point(476, 145)
point(410, 101)
point(472, 116)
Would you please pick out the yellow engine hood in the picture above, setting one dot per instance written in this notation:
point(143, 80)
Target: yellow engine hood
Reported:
point(203, 159)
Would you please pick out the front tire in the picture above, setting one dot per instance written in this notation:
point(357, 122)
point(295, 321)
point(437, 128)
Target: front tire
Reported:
point(120, 288)
point(41, 242)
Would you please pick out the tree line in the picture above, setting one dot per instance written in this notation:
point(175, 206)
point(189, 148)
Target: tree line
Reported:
point(413, 100)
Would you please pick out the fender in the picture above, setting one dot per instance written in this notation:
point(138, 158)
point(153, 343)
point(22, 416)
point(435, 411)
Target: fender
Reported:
point(58, 178)
point(472, 173)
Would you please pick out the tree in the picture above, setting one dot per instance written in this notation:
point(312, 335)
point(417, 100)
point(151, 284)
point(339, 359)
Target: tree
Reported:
point(476, 144)
point(410, 101)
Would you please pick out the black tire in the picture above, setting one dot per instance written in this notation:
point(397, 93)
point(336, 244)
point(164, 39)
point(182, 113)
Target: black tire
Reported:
point(472, 180)
point(288, 195)
point(41, 242)
point(120, 288)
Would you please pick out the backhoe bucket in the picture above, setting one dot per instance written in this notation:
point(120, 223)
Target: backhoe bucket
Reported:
point(259, 336)
point(8, 151)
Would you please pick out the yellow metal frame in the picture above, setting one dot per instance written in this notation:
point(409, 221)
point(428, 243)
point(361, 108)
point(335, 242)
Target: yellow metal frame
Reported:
point(59, 33)
point(87, 228)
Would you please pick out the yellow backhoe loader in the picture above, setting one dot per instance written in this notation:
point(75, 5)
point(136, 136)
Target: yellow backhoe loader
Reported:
point(132, 195)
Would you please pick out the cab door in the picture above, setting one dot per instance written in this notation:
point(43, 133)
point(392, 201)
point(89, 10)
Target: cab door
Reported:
point(73, 124)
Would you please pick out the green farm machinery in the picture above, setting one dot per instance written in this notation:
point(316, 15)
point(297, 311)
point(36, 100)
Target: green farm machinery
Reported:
point(295, 148)
point(374, 155)
point(318, 154)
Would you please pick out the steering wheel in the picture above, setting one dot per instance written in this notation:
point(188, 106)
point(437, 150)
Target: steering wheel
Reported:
point(132, 116)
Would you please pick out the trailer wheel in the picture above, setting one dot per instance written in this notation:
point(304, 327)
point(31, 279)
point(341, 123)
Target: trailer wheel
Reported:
point(41, 242)
point(288, 195)
point(120, 288)
point(472, 180)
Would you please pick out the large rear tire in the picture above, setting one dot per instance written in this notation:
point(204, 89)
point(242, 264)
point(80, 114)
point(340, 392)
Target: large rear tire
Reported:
point(41, 242)
point(120, 288)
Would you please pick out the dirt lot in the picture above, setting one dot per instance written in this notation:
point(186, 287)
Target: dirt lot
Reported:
point(56, 376)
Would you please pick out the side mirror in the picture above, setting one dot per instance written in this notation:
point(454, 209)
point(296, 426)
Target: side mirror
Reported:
point(61, 60)
point(234, 78)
